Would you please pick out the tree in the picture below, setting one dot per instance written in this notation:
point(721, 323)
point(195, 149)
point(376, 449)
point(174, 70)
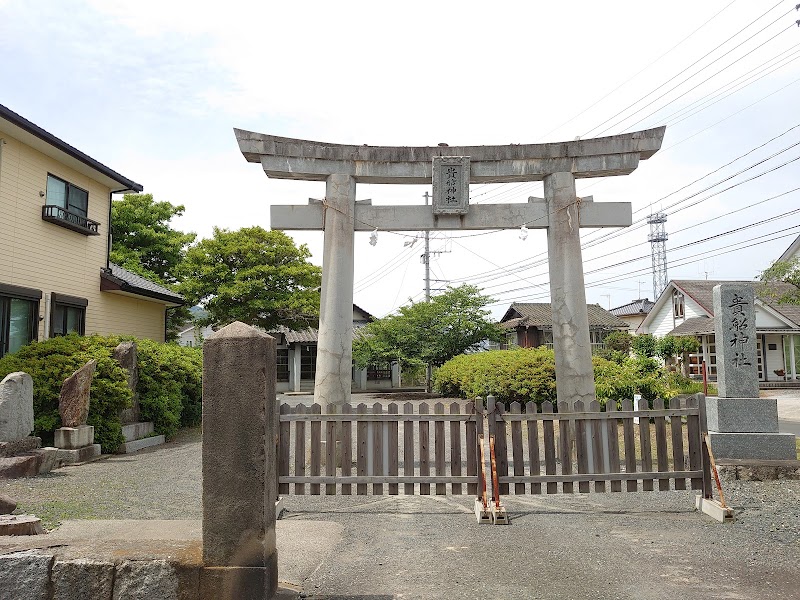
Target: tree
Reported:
point(782, 272)
point(252, 275)
point(143, 241)
point(644, 346)
point(670, 346)
point(620, 341)
point(429, 332)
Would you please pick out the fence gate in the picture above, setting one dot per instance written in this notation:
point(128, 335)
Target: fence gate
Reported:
point(366, 451)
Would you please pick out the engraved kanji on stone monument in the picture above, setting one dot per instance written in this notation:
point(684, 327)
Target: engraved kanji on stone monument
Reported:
point(734, 316)
point(450, 185)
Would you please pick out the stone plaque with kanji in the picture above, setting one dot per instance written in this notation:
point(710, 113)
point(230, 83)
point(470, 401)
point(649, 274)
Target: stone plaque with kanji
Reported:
point(735, 333)
point(450, 185)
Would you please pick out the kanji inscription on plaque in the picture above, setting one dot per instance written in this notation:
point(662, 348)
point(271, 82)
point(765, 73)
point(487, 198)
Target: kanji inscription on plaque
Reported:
point(450, 185)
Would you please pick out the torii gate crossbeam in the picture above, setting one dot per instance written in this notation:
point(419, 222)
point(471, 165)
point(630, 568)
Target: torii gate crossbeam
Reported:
point(561, 212)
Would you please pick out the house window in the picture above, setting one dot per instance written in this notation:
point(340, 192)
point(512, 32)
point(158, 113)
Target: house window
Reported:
point(598, 340)
point(282, 364)
point(677, 305)
point(19, 317)
point(67, 196)
point(547, 339)
point(308, 362)
point(67, 205)
point(67, 315)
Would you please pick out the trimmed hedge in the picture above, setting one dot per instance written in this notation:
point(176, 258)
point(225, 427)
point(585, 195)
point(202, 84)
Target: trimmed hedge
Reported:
point(170, 387)
point(525, 374)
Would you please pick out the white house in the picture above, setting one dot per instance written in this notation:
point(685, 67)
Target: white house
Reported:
point(686, 308)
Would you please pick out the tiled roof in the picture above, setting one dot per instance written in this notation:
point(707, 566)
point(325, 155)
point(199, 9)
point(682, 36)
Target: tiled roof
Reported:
point(136, 284)
point(701, 291)
point(641, 306)
point(694, 326)
point(308, 335)
point(538, 314)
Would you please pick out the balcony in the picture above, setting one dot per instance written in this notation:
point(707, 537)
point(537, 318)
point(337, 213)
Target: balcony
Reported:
point(60, 216)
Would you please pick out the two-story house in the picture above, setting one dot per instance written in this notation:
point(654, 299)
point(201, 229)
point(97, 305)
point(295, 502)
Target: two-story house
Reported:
point(55, 276)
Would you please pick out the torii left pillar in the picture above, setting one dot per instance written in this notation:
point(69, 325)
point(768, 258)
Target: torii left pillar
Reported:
point(335, 343)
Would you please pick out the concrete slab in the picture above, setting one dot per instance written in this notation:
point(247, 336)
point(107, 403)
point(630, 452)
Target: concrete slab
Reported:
point(137, 431)
point(79, 455)
point(714, 509)
point(136, 445)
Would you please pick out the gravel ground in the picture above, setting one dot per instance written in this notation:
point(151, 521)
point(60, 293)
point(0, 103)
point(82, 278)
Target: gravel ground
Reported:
point(643, 546)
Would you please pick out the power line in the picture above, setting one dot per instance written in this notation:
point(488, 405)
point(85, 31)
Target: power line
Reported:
point(689, 67)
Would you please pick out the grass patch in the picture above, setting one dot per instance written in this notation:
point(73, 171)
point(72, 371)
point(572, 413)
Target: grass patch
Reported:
point(54, 512)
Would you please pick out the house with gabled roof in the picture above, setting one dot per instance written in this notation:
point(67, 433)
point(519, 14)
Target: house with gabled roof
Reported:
point(297, 356)
point(530, 324)
point(55, 273)
point(686, 308)
point(793, 251)
point(633, 313)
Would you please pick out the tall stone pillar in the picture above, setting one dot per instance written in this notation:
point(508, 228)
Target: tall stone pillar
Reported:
point(335, 345)
point(573, 350)
point(240, 426)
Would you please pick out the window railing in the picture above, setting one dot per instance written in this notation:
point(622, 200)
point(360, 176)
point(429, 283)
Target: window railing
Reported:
point(60, 216)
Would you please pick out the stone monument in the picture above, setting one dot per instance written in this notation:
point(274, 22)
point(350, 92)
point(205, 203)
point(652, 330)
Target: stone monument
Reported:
point(75, 439)
point(138, 434)
point(20, 452)
point(740, 424)
point(450, 170)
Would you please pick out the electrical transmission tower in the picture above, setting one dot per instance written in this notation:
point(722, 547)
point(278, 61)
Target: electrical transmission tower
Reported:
point(658, 248)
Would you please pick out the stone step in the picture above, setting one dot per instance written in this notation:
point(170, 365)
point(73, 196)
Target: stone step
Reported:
point(23, 465)
point(135, 445)
point(79, 455)
point(137, 431)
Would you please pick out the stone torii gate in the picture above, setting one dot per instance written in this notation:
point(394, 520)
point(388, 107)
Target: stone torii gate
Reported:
point(561, 212)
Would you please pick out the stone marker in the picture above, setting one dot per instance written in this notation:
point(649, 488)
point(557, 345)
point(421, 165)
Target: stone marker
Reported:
point(126, 355)
point(240, 428)
point(735, 332)
point(73, 402)
point(16, 407)
point(741, 425)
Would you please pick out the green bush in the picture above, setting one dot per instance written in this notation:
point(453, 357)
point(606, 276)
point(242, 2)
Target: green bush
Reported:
point(50, 362)
point(170, 386)
point(520, 374)
point(524, 374)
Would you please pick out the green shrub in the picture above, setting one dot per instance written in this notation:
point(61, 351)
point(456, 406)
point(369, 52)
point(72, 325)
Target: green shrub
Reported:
point(170, 385)
point(50, 362)
point(525, 374)
point(520, 374)
point(644, 346)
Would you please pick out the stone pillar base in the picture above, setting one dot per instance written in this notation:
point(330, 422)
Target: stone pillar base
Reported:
point(242, 583)
point(74, 438)
point(763, 446)
point(742, 415)
point(78, 455)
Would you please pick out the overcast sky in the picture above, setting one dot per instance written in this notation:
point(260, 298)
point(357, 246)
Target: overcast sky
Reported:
point(154, 90)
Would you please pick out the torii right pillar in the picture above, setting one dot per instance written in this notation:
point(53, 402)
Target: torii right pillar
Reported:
point(574, 373)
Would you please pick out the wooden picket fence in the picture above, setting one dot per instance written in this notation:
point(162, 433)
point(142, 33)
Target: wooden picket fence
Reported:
point(550, 451)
